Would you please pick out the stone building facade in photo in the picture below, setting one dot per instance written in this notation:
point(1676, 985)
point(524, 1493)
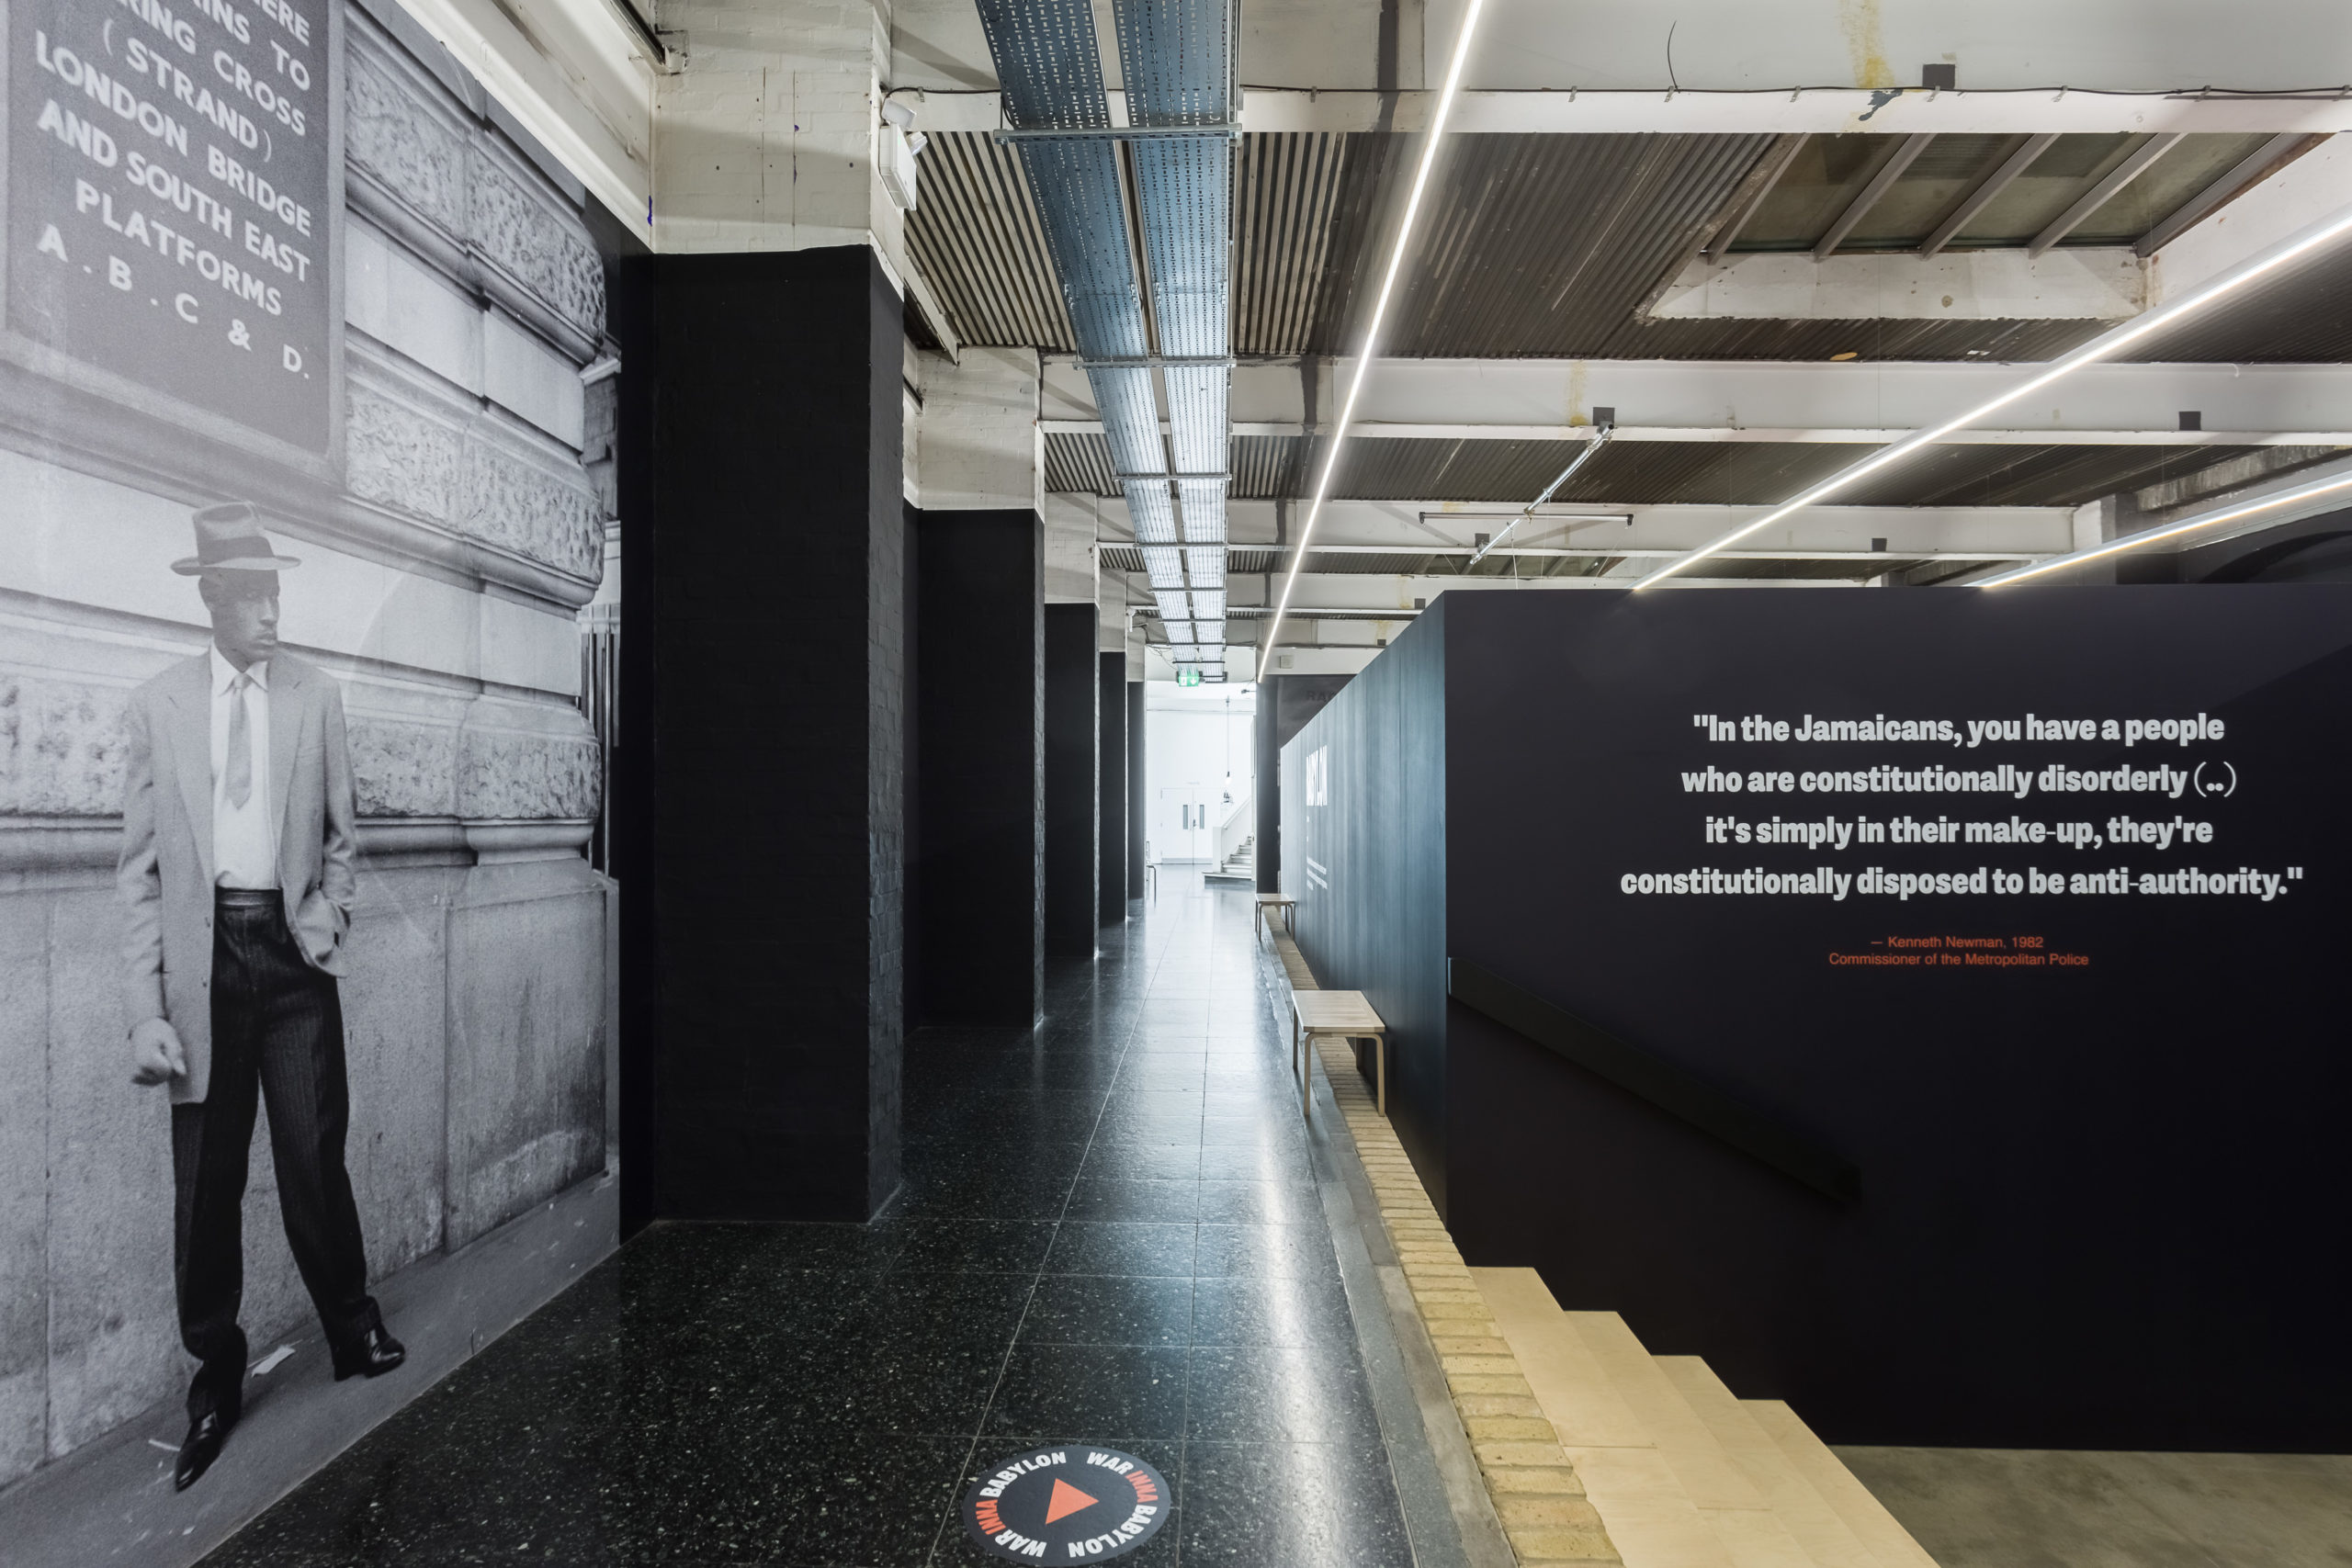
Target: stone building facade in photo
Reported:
point(449, 532)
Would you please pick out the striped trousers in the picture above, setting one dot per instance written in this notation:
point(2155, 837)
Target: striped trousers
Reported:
point(276, 1037)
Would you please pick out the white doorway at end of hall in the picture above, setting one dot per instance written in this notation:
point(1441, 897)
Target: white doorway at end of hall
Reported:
point(1199, 768)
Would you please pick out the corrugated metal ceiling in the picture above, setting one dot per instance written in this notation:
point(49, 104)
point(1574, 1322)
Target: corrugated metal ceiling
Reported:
point(1537, 245)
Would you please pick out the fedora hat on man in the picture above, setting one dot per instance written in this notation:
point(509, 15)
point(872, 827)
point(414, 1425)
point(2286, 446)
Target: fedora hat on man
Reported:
point(229, 539)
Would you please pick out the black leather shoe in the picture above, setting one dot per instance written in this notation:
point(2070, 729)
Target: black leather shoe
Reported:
point(377, 1353)
point(201, 1447)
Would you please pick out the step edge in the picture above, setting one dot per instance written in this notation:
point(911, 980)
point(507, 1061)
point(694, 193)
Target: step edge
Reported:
point(1869, 1520)
point(1818, 1517)
point(1522, 1321)
point(1629, 1364)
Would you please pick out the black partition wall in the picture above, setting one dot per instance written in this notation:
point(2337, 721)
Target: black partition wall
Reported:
point(1284, 703)
point(1922, 1006)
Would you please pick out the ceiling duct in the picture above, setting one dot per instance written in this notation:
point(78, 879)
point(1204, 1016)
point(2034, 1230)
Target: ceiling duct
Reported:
point(1177, 57)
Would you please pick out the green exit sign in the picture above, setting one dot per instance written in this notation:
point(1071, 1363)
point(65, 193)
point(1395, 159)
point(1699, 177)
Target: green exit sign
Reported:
point(1188, 677)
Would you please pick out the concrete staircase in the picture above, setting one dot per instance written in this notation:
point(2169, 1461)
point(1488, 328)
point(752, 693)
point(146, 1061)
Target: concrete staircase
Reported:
point(1240, 867)
point(1683, 1473)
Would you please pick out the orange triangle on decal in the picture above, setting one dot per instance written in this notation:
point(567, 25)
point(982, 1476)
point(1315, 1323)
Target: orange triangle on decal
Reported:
point(1067, 1499)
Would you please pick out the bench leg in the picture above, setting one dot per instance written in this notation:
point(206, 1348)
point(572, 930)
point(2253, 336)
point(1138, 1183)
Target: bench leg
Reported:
point(1380, 1072)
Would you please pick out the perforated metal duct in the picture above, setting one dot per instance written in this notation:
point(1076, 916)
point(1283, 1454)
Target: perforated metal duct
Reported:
point(1176, 59)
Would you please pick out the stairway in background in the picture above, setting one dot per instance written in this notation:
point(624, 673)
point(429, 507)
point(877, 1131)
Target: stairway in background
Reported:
point(1683, 1473)
point(1240, 867)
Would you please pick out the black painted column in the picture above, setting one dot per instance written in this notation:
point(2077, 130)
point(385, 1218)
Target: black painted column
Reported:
point(760, 1069)
point(1072, 792)
point(1268, 786)
point(1110, 814)
point(979, 820)
point(1137, 789)
point(911, 775)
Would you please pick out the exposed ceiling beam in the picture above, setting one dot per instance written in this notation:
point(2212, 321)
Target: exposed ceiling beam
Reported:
point(2102, 284)
point(1993, 185)
point(2099, 195)
point(1748, 199)
point(1780, 434)
point(1356, 527)
point(1607, 552)
point(1776, 400)
point(2318, 183)
point(2324, 238)
point(1903, 157)
point(2237, 178)
point(1825, 112)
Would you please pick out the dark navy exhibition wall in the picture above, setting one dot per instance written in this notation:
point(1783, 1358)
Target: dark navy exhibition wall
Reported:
point(980, 793)
point(1284, 703)
point(1363, 796)
point(760, 448)
point(2099, 1131)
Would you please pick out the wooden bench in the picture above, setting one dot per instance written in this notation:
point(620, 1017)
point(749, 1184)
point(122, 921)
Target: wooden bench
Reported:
point(1268, 903)
point(1343, 1014)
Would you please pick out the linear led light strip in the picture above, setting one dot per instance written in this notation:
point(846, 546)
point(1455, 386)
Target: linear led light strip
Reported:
point(2102, 347)
point(2133, 541)
point(1379, 314)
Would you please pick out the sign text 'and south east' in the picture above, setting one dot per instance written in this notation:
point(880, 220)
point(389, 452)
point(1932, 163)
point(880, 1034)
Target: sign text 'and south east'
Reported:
point(169, 184)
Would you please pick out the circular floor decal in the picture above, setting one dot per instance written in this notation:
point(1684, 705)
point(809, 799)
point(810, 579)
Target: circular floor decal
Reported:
point(1067, 1504)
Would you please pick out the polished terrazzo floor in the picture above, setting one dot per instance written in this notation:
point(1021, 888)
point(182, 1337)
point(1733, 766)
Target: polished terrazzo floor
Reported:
point(1109, 1232)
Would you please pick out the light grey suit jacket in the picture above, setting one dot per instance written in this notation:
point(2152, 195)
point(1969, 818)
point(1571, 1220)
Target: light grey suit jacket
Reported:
point(165, 874)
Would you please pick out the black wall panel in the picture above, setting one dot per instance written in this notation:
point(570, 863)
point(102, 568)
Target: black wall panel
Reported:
point(979, 632)
point(1072, 791)
point(1110, 812)
point(2096, 1198)
point(761, 1062)
point(1285, 704)
point(1363, 800)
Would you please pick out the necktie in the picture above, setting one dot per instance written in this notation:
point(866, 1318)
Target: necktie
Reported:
point(241, 745)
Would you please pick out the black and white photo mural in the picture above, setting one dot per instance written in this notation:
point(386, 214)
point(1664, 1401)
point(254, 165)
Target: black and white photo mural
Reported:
point(305, 496)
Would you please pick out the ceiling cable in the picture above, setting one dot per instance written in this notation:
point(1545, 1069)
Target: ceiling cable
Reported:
point(1600, 439)
point(1379, 314)
point(2106, 346)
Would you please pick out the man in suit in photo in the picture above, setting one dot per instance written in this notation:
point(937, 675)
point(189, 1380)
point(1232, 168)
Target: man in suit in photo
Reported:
point(239, 837)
